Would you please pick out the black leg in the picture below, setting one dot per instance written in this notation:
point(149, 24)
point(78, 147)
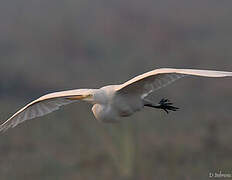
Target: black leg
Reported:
point(164, 104)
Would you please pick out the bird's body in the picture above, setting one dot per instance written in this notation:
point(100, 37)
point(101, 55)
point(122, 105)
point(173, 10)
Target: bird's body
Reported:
point(111, 103)
point(110, 106)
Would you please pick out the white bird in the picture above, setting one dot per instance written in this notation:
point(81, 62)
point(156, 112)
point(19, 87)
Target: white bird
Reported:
point(110, 103)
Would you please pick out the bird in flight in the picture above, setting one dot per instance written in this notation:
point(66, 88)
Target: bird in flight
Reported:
point(110, 103)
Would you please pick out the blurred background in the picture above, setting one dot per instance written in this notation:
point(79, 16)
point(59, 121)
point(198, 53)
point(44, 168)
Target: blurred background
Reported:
point(54, 45)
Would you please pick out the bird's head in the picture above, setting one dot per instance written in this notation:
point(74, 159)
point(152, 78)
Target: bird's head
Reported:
point(92, 96)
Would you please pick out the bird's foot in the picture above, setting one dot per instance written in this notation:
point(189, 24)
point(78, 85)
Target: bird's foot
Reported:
point(166, 105)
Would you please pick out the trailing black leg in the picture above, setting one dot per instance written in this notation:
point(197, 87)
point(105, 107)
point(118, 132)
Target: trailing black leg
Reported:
point(164, 104)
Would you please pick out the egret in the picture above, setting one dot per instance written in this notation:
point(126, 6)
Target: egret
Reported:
point(111, 103)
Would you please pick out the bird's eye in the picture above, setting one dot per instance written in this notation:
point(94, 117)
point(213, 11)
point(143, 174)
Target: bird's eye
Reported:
point(89, 96)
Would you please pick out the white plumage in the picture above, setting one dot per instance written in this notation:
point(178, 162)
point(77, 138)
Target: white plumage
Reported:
point(110, 103)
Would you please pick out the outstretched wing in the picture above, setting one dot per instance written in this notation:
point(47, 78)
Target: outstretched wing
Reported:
point(149, 82)
point(44, 105)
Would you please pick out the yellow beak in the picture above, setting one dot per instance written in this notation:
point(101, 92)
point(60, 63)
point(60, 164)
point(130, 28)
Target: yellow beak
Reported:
point(79, 97)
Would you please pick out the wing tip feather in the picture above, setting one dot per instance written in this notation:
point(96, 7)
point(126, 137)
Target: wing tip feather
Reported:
point(5, 126)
